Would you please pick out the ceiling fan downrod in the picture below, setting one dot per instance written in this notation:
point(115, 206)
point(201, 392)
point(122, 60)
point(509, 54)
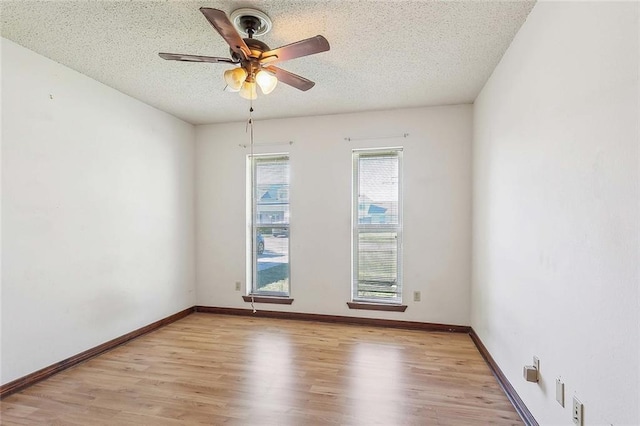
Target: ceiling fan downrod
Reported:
point(249, 24)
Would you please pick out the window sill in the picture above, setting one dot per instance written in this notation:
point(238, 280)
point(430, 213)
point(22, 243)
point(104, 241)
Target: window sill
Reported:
point(377, 306)
point(269, 299)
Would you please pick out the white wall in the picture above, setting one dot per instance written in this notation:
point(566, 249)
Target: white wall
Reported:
point(555, 240)
point(97, 213)
point(437, 209)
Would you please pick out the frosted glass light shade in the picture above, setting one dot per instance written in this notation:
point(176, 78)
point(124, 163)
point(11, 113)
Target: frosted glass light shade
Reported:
point(234, 78)
point(266, 81)
point(248, 90)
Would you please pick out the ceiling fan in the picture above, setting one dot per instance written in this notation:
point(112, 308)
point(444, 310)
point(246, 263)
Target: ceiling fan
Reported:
point(256, 60)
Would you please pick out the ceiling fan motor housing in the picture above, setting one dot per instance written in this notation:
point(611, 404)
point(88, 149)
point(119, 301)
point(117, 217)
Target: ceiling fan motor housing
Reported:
point(251, 64)
point(256, 46)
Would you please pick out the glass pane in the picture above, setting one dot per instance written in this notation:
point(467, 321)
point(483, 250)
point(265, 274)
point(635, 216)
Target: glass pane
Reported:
point(272, 192)
point(377, 265)
point(272, 260)
point(378, 189)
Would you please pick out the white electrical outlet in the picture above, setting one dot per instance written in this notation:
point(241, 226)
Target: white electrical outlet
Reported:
point(416, 296)
point(560, 392)
point(577, 411)
point(238, 286)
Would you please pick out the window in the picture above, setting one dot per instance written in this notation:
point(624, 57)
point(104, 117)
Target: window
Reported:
point(269, 225)
point(377, 226)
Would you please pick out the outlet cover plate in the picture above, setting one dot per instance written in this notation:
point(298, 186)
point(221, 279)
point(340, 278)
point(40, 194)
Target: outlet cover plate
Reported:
point(576, 412)
point(416, 296)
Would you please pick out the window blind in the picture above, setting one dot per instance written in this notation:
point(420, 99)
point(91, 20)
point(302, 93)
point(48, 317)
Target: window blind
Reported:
point(377, 226)
point(269, 191)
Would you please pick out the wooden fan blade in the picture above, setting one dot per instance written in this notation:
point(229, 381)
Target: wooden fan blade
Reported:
point(225, 28)
point(291, 79)
point(194, 58)
point(298, 49)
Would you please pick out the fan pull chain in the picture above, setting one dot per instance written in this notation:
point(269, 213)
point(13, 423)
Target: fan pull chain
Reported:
point(253, 201)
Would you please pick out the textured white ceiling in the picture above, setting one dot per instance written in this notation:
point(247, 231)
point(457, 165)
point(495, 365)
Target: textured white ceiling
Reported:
point(384, 54)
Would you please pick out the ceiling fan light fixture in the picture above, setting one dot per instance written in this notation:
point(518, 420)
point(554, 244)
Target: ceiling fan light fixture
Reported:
point(248, 90)
point(266, 81)
point(235, 78)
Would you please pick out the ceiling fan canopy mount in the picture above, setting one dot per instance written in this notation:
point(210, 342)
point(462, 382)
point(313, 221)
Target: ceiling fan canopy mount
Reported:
point(250, 22)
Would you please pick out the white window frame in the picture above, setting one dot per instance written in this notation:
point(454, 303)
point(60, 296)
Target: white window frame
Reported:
point(252, 227)
point(357, 227)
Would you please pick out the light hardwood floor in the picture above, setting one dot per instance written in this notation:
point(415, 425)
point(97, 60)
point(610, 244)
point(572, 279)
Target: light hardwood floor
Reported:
point(218, 369)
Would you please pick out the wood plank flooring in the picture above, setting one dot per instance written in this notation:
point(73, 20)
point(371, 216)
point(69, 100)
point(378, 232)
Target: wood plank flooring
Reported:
point(233, 370)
